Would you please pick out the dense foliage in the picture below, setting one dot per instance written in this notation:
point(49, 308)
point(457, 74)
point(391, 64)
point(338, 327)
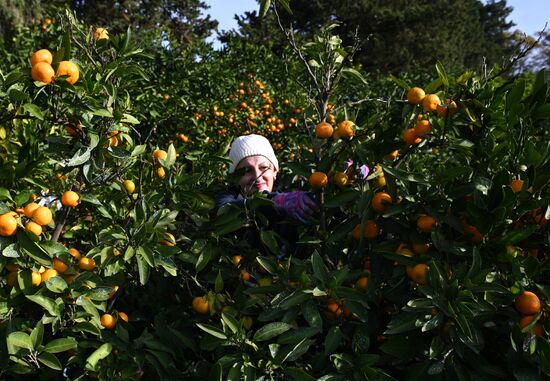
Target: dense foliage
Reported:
point(428, 256)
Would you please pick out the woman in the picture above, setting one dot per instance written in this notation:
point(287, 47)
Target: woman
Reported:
point(253, 159)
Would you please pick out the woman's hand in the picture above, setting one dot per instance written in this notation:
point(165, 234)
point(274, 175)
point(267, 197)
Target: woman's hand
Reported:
point(298, 205)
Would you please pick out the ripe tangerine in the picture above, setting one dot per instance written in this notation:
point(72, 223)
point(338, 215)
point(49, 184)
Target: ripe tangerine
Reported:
point(362, 283)
point(160, 154)
point(324, 130)
point(430, 102)
point(69, 69)
point(8, 225)
point(42, 215)
point(200, 305)
point(48, 273)
point(417, 273)
point(85, 263)
point(345, 129)
point(425, 223)
point(43, 72)
point(70, 199)
point(380, 201)
point(33, 227)
point(340, 179)
point(528, 303)
point(42, 55)
point(318, 180)
point(59, 265)
point(415, 95)
point(108, 321)
point(29, 209)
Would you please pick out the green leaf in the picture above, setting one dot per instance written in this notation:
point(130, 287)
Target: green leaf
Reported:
point(16, 94)
point(99, 354)
point(432, 87)
point(218, 285)
point(271, 330)
point(515, 94)
point(167, 264)
point(518, 235)
point(56, 284)
point(139, 150)
point(50, 360)
point(61, 345)
point(229, 221)
point(86, 327)
point(146, 254)
point(268, 264)
point(54, 249)
point(293, 299)
point(80, 157)
point(37, 334)
point(312, 315)
point(264, 7)
point(297, 351)
point(99, 293)
point(216, 332)
point(47, 303)
point(297, 334)
point(127, 118)
point(542, 112)
point(442, 74)
point(407, 176)
point(216, 373)
point(298, 374)
point(16, 340)
point(354, 74)
point(286, 6)
point(399, 82)
point(333, 340)
point(342, 198)
point(5, 194)
point(319, 268)
point(143, 269)
point(102, 112)
point(170, 157)
point(33, 249)
point(11, 251)
point(230, 322)
point(88, 306)
point(270, 241)
point(204, 257)
point(34, 110)
point(403, 322)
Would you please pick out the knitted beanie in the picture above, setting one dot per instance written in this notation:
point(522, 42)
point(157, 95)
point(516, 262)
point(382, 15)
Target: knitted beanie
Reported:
point(251, 145)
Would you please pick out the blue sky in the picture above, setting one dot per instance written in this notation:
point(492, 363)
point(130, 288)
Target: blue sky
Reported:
point(528, 15)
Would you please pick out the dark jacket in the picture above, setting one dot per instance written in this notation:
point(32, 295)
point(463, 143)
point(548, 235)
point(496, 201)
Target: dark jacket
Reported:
point(276, 221)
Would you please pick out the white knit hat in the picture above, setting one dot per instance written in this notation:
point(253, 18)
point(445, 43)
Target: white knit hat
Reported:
point(251, 145)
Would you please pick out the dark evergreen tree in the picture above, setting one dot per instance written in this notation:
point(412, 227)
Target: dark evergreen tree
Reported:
point(397, 35)
point(182, 21)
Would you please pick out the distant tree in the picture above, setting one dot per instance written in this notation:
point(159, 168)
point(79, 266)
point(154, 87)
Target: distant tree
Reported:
point(538, 57)
point(397, 35)
point(497, 34)
point(181, 21)
point(14, 13)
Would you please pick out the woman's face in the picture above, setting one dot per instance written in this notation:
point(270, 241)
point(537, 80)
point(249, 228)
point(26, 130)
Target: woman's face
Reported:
point(259, 174)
